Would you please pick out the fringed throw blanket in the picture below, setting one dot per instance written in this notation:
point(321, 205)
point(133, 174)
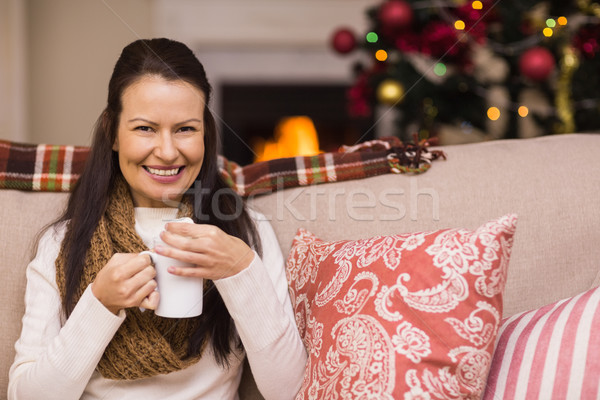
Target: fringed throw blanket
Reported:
point(53, 168)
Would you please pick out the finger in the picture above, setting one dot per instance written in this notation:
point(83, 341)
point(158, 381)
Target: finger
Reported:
point(211, 272)
point(190, 253)
point(144, 292)
point(121, 258)
point(150, 260)
point(150, 302)
point(193, 231)
point(137, 264)
point(122, 266)
point(184, 229)
point(191, 272)
point(141, 279)
point(187, 243)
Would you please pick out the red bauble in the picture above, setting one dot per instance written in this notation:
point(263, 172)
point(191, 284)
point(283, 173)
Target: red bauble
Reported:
point(395, 15)
point(343, 41)
point(439, 39)
point(587, 41)
point(537, 63)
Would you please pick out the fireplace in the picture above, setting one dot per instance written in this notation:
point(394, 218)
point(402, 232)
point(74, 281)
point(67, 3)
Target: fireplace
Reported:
point(272, 59)
point(250, 113)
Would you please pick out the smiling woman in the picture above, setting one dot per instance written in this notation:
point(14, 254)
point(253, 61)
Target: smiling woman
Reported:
point(90, 330)
point(160, 139)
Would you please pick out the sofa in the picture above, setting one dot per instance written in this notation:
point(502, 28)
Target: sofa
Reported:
point(551, 183)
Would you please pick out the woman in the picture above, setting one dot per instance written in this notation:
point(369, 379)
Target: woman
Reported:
point(88, 331)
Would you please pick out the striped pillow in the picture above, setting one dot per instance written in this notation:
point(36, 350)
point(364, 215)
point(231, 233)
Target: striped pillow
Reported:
point(549, 353)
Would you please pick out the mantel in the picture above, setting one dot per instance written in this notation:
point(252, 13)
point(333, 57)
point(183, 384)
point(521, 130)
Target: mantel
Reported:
point(258, 23)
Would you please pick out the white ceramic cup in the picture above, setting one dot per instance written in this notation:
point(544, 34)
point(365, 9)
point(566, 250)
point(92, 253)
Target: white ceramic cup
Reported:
point(180, 296)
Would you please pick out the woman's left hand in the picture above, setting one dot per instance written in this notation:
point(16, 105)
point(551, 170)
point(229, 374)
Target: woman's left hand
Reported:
point(216, 254)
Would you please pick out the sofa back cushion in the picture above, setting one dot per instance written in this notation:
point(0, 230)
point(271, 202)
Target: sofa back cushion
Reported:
point(551, 183)
point(22, 216)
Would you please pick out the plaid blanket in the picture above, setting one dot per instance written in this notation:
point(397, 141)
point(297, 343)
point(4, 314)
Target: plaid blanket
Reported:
point(56, 168)
point(42, 167)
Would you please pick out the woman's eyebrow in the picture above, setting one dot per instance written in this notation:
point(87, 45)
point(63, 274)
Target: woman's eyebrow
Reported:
point(189, 120)
point(154, 123)
point(143, 120)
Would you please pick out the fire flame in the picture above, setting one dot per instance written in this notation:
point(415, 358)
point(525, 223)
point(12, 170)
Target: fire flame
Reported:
point(294, 136)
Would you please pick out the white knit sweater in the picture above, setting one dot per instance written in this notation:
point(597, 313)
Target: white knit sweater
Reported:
point(56, 359)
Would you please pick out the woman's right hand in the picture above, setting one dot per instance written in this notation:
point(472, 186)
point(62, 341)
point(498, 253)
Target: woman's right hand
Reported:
point(127, 280)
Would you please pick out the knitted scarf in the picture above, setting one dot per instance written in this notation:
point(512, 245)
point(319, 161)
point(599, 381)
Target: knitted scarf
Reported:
point(145, 344)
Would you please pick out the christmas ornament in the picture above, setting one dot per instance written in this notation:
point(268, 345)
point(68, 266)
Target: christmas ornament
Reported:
point(563, 99)
point(343, 41)
point(395, 15)
point(588, 7)
point(475, 21)
point(587, 41)
point(408, 42)
point(537, 63)
point(390, 92)
point(358, 97)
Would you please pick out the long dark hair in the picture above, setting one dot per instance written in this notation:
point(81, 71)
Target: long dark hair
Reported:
point(170, 60)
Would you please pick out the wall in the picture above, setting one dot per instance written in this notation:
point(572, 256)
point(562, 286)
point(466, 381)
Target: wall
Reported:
point(72, 48)
point(69, 48)
point(290, 24)
point(13, 103)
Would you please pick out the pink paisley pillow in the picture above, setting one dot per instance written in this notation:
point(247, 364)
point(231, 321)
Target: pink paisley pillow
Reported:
point(550, 352)
point(411, 316)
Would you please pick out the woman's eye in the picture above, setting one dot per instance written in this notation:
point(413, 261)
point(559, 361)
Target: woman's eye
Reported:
point(143, 128)
point(187, 129)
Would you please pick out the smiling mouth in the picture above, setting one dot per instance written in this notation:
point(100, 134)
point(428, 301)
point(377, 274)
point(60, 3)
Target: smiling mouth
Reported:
point(163, 172)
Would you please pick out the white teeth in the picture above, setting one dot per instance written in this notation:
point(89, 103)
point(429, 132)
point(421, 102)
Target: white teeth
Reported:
point(163, 172)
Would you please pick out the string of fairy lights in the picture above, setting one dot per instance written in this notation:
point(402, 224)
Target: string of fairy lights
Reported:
point(391, 91)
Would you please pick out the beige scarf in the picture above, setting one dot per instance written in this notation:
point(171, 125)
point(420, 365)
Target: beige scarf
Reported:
point(145, 344)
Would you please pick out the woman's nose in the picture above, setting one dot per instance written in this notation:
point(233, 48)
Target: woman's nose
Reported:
point(166, 148)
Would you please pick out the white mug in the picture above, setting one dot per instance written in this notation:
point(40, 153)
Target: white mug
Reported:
point(180, 296)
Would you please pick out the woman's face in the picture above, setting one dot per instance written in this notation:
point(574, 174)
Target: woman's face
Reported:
point(160, 139)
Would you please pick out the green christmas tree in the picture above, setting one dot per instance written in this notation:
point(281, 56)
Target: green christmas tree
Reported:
point(512, 68)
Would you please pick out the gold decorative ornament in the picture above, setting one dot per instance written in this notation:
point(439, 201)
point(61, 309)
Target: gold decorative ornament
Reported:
point(587, 7)
point(563, 101)
point(390, 92)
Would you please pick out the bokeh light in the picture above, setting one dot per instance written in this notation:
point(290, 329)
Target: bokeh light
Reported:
point(493, 113)
point(459, 25)
point(440, 69)
point(381, 55)
point(523, 111)
point(372, 37)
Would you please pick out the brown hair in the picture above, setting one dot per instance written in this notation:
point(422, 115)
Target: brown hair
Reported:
point(170, 60)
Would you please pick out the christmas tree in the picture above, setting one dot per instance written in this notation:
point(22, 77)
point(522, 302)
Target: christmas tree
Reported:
point(501, 69)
